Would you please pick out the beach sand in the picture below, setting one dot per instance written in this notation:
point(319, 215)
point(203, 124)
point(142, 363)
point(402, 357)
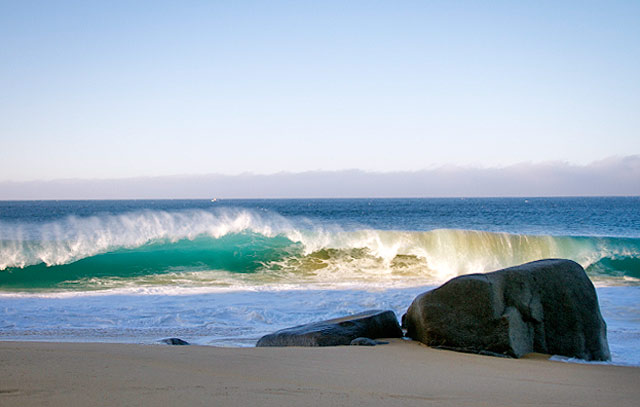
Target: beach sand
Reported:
point(403, 373)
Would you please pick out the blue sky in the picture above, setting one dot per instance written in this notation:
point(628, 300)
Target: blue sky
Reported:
point(96, 89)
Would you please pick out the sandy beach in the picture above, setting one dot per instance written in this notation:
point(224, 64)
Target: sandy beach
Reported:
point(403, 373)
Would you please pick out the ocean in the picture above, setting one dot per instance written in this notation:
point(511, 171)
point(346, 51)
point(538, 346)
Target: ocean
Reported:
point(225, 272)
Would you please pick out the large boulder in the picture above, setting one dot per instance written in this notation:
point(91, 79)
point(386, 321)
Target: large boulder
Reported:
point(547, 306)
point(341, 331)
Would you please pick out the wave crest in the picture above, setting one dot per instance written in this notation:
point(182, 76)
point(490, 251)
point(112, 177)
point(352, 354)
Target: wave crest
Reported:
point(74, 238)
point(228, 247)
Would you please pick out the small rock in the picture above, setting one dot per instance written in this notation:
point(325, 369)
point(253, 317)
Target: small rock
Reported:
point(174, 341)
point(366, 342)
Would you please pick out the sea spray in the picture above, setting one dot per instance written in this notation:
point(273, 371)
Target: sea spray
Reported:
point(239, 246)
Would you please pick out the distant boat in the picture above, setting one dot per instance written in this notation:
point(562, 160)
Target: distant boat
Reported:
point(214, 199)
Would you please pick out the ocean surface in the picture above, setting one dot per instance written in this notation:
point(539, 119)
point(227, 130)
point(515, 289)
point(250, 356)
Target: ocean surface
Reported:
point(225, 272)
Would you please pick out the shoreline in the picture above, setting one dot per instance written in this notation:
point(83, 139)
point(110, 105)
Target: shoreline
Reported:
point(400, 373)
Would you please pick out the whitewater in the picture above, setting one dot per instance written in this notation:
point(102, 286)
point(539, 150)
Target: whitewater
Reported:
point(224, 273)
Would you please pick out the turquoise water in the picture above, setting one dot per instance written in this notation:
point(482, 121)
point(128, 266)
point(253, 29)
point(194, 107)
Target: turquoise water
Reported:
point(316, 257)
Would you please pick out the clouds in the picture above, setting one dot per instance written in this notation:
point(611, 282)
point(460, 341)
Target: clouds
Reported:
point(611, 176)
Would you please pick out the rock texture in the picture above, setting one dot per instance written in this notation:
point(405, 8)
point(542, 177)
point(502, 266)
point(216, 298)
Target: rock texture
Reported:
point(547, 306)
point(341, 331)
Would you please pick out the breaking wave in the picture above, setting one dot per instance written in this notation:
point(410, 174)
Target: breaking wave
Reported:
point(229, 247)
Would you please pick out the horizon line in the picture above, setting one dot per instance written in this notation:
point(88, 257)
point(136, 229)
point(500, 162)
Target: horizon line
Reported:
point(319, 198)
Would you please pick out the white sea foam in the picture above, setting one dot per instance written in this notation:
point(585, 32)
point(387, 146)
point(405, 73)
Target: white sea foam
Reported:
point(238, 317)
point(231, 317)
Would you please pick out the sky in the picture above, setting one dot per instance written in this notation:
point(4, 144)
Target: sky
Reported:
point(96, 90)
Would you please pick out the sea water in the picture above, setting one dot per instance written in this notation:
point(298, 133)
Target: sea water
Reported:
point(225, 272)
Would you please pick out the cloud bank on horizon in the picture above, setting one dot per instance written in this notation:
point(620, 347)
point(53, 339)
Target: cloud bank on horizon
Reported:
point(608, 177)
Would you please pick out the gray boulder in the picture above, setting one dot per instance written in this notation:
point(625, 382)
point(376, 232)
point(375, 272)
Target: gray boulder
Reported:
point(547, 306)
point(341, 331)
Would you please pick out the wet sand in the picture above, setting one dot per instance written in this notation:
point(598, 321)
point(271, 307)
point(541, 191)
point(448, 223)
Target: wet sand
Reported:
point(403, 373)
